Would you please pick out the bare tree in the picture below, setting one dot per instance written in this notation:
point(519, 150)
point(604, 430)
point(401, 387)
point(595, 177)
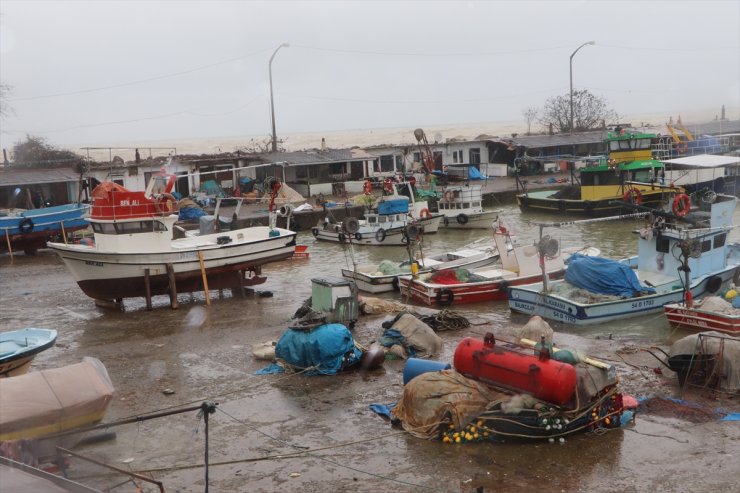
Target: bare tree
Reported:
point(37, 151)
point(530, 114)
point(588, 112)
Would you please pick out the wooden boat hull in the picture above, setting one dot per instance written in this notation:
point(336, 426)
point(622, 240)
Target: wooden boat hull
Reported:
point(530, 300)
point(538, 202)
point(31, 229)
point(480, 220)
point(19, 347)
point(111, 276)
point(371, 283)
point(366, 236)
point(682, 317)
point(473, 292)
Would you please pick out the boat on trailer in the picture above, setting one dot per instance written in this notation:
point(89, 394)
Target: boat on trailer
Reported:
point(135, 253)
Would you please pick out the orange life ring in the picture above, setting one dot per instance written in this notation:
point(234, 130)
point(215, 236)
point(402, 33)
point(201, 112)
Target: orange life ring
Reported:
point(388, 186)
point(165, 203)
point(367, 188)
point(424, 213)
point(633, 196)
point(682, 147)
point(449, 196)
point(681, 205)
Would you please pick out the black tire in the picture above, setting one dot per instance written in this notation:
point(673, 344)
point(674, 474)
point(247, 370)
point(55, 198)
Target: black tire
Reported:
point(713, 284)
point(446, 221)
point(26, 226)
point(462, 219)
point(351, 225)
point(380, 235)
point(396, 284)
point(315, 231)
point(445, 297)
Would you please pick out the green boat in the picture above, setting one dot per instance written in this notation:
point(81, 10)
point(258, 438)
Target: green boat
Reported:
point(628, 175)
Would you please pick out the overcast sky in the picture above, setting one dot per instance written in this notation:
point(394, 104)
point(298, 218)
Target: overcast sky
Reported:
point(99, 72)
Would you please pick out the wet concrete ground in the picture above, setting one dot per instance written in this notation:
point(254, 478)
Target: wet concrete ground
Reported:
point(204, 353)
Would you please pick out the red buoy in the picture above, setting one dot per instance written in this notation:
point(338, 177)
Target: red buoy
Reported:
point(544, 378)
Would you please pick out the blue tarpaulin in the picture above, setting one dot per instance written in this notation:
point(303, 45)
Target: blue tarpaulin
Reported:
point(326, 350)
point(604, 276)
point(475, 174)
point(190, 213)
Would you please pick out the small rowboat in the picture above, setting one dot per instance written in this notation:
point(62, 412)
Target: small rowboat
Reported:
point(19, 347)
point(706, 314)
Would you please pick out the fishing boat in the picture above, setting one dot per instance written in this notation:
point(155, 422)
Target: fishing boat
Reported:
point(29, 229)
point(628, 174)
point(388, 225)
point(384, 277)
point(709, 313)
point(40, 410)
point(519, 265)
point(19, 347)
point(681, 253)
point(462, 208)
point(135, 252)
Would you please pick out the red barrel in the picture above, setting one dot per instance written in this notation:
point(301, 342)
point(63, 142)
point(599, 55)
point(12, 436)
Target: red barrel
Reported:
point(546, 379)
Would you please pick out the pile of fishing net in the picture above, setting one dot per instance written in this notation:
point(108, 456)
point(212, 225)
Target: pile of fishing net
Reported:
point(407, 336)
point(719, 305)
point(724, 347)
point(388, 268)
point(579, 295)
point(455, 276)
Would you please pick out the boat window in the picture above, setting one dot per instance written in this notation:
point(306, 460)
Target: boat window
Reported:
point(381, 219)
point(706, 246)
point(104, 228)
point(719, 240)
point(466, 205)
point(135, 227)
point(645, 144)
point(372, 220)
point(614, 145)
point(661, 245)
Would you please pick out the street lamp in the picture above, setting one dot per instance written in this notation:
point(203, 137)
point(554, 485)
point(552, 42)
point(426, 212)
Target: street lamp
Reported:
point(571, 80)
point(272, 104)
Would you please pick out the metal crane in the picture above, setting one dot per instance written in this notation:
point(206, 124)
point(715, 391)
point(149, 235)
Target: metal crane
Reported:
point(426, 152)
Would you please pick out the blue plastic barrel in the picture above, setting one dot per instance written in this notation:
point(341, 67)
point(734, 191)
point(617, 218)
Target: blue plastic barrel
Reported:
point(416, 366)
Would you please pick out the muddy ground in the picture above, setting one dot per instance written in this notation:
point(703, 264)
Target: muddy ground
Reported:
point(167, 359)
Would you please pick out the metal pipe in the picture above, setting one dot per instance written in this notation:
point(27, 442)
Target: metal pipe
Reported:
point(114, 468)
point(272, 103)
point(571, 81)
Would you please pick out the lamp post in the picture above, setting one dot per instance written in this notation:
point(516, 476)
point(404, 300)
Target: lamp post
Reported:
point(571, 80)
point(272, 103)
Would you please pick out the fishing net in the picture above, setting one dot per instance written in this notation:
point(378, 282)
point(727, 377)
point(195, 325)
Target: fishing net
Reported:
point(726, 370)
point(388, 267)
point(444, 320)
point(674, 408)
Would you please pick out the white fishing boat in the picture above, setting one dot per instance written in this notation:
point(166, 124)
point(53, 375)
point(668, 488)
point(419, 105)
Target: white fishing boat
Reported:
point(388, 225)
point(462, 208)
point(384, 277)
point(519, 265)
point(135, 254)
point(680, 253)
point(19, 347)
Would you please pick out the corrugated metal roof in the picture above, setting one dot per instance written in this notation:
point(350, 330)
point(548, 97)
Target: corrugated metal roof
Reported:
point(703, 161)
point(298, 158)
point(11, 176)
point(593, 137)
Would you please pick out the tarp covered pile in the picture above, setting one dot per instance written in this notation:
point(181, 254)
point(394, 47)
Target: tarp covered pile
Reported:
point(604, 276)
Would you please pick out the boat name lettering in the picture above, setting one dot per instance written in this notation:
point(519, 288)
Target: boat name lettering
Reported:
point(556, 304)
point(129, 202)
point(642, 303)
point(93, 263)
point(563, 316)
